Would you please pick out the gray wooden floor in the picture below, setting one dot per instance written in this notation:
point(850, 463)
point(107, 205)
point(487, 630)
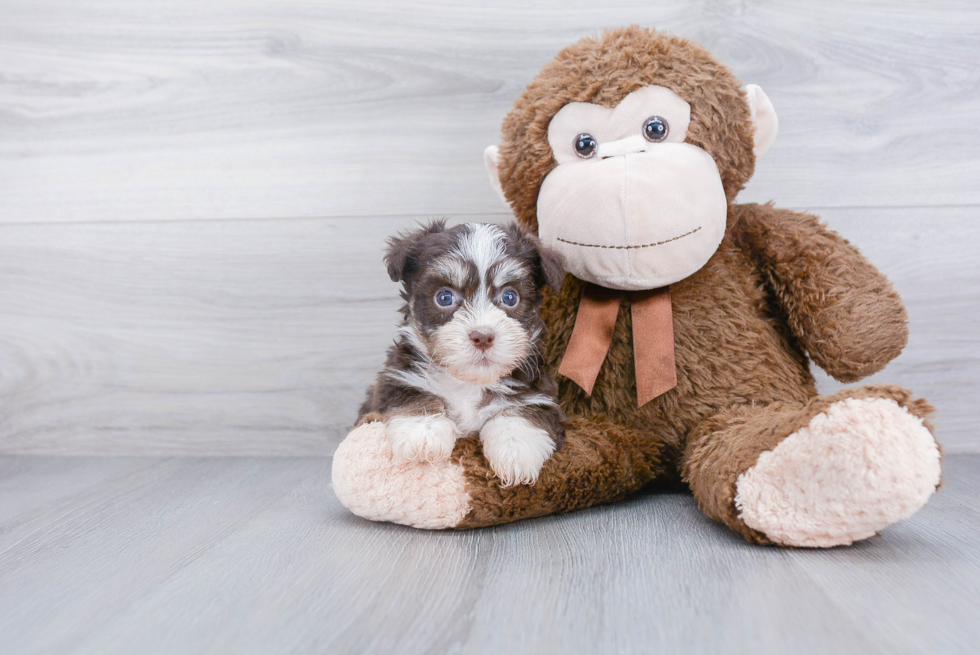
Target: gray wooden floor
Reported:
point(194, 195)
point(254, 555)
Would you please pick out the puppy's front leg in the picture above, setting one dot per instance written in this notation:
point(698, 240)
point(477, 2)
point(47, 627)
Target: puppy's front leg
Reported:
point(517, 442)
point(421, 432)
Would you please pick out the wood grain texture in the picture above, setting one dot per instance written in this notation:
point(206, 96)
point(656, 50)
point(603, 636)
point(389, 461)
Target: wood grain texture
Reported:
point(129, 328)
point(257, 556)
point(258, 109)
point(260, 337)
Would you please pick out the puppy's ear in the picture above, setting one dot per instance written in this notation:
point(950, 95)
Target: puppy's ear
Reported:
point(549, 268)
point(401, 258)
point(552, 267)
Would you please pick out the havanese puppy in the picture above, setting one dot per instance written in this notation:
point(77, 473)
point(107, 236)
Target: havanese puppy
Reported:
point(467, 357)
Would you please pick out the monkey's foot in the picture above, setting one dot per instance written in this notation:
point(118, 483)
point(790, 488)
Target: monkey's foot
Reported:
point(373, 484)
point(857, 467)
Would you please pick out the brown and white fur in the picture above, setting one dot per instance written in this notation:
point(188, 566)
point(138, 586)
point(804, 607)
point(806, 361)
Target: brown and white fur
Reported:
point(467, 357)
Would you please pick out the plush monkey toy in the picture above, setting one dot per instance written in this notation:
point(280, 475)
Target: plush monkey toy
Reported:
point(683, 331)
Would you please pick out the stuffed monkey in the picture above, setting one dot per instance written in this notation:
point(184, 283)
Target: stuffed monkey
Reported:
point(682, 333)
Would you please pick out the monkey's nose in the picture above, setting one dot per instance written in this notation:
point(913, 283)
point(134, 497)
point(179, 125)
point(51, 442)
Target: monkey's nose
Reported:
point(629, 145)
point(482, 339)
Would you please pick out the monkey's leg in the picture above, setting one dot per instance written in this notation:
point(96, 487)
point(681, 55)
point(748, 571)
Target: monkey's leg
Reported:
point(599, 462)
point(830, 472)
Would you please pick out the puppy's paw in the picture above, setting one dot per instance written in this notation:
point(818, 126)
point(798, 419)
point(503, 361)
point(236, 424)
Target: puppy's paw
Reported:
point(422, 438)
point(515, 449)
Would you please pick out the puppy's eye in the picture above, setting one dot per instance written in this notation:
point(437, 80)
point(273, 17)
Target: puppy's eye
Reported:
point(509, 297)
point(655, 129)
point(445, 298)
point(585, 146)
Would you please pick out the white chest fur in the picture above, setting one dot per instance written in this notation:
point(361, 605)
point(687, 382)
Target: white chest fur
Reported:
point(464, 401)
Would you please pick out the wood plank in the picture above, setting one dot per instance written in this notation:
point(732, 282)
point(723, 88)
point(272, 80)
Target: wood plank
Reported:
point(259, 337)
point(604, 581)
point(83, 564)
point(914, 588)
point(31, 487)
point(143, 111)
point(257, 556)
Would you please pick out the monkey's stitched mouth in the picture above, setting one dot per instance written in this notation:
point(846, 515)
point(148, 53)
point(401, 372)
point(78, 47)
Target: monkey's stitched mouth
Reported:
point(646, 245)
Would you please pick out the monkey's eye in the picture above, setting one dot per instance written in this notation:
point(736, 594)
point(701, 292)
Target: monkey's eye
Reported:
point(655, 129)
point(445, 298)
point(585, 146)
point(509, 297)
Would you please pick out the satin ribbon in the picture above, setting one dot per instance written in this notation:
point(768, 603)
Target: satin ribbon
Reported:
point(653, 339)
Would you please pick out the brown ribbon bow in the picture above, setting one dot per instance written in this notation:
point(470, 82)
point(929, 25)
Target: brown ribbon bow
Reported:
point(653, 340)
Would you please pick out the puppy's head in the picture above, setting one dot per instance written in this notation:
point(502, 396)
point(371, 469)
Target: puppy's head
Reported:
point(472, 294)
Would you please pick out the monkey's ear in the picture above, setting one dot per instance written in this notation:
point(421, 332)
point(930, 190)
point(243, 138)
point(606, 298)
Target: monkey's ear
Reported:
point(490, 158)
point(402, 255)
point(764, 118)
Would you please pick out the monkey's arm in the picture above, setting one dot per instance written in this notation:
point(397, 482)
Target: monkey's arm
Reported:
point(844, 312)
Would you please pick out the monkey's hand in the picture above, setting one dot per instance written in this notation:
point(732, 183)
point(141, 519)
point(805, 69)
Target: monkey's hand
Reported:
point(842, 309)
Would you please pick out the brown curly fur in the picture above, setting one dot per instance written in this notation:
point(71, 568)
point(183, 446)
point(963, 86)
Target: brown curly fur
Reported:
point(780, 288)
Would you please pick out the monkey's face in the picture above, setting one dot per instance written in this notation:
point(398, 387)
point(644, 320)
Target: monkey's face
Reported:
point(624, 153)
point(630, 204)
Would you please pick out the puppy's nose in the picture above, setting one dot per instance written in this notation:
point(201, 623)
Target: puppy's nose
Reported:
point(482, 339)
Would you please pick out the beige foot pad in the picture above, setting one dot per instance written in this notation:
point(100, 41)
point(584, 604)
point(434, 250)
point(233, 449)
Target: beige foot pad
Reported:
point(372, 484)
point(859, 466)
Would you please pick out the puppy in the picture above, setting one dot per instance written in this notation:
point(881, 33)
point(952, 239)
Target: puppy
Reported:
point(467, 357)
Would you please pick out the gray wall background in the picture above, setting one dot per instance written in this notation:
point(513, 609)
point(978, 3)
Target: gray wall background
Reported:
point(194, 194)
